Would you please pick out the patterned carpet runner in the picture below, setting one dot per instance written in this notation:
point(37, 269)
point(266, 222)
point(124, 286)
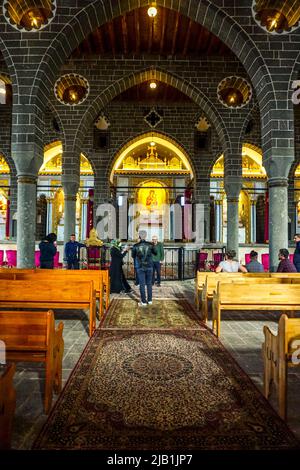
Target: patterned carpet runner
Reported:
point(160, 384)
point(162, 314)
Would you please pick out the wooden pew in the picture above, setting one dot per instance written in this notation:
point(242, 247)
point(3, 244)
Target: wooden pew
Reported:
point(104, 274)
point(210, 285)
point(7, 404)
point(32, 337)
point(253, 297)
point(203, 275)
point(41, 294)
point(99, 277)
point(200, 281)
point(280, 352)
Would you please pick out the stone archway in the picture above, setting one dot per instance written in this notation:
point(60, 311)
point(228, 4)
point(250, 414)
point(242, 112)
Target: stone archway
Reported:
point(204, 12)
point(124, 83)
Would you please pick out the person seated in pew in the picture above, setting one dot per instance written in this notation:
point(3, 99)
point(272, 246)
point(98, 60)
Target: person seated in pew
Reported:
point(254, 266)
point(285, 265)
point(230, 265)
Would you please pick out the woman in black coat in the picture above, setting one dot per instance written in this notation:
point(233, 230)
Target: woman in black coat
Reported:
point(118, 281)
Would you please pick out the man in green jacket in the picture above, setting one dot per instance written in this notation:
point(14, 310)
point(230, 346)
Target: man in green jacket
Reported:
point(157, 260)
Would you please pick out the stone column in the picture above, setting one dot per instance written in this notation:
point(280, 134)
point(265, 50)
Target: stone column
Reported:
point(278, 218)
point(70, 192)
point(26, 221)
point(233, 224)
point(233, 188)
point(218, 220)
point(49, 214)
point(253, 221)
point(83, 217)
point(202, 196)
point(292, 209)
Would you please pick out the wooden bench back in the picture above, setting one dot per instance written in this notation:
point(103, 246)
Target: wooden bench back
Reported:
point(211, 284)
point(288, 332)
point(26, 331)
point(287, 275)
point(60, 275)
point(212, 281)
point(254, 294)
point(201, 276)
point(97, 276)
point(37, 291)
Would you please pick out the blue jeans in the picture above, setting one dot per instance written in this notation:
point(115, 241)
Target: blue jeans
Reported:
point(145, 279)
point(156, 269)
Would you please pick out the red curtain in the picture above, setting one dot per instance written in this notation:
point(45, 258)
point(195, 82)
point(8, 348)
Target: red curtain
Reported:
point(90, 210)
point(267, 218)
point(7, 216)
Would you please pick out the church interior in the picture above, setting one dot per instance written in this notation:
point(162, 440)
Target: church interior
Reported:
point(177, 118)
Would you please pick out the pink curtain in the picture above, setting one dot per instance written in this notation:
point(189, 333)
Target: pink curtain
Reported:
point(90, 210)
point(267, 218)
point(7, 216)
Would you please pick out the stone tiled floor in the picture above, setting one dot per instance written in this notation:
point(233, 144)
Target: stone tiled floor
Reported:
point(242, 335)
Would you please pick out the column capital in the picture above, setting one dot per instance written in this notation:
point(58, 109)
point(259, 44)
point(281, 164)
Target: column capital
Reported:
point(233, 186)
point(27, 179)
point(233, 199)
point(70, 186)
point(278, 182)
point(70, 197)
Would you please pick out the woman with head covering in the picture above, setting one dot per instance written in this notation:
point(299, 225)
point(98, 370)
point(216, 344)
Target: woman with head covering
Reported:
point(118, 282)
point(48, 250)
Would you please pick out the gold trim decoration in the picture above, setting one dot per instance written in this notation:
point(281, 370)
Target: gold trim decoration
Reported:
point(93, 239)
point(152, 163)
point(251, 168)
point(27, 179)
point(4, 168)
point(53, 166)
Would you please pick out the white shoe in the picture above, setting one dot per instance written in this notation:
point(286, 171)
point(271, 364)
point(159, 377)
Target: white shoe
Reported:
point(141, 304)
point(150, 303)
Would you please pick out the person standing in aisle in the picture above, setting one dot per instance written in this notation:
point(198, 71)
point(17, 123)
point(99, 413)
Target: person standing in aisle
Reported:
point(157, 260)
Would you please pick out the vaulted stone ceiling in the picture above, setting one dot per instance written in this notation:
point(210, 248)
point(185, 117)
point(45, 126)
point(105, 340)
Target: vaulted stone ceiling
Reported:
point(162, 93)
point(168, 33)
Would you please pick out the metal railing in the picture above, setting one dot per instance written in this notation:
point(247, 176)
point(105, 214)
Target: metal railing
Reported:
point(179, 263)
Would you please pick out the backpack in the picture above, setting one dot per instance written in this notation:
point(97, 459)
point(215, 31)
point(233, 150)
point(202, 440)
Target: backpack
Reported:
point(143, 254)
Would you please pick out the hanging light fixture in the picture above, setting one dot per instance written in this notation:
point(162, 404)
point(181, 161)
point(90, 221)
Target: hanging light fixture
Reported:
point(153, 85)
point(152, 10)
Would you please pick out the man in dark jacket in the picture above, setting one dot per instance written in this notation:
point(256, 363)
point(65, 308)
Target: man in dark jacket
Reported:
point(157, 260)
point(142, 253)
point(296, 259)
point(72, 252)
point(285, 265)
point(47, 251)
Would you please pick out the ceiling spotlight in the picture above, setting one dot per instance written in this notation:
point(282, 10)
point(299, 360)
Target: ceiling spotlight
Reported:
point(152, 10)
point(153, 85)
